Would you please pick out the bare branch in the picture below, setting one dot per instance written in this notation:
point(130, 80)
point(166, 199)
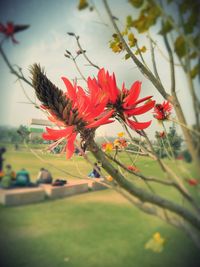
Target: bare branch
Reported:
point(147, 73)
point(143, 195)
point(176, 27)
point(171, 62)
point(84, 53)
point(12, 70)
point(153, 59)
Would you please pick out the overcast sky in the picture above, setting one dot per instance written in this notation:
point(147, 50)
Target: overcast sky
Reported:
point(45, 43)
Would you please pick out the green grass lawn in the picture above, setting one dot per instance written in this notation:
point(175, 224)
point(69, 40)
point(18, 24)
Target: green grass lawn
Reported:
point(93, 229)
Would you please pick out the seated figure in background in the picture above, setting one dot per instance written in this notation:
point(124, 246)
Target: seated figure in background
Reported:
point(22, 178)
point(95, 173)
point(8, 177)
point(2, 151)
point(9, 171)
point(44, 177)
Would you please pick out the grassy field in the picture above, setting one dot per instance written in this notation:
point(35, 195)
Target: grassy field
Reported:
point(93, 229)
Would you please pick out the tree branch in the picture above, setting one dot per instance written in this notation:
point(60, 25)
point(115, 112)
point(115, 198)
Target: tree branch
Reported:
point(171, 62)
point(140, 193)
point(147, 73)
point(12, 70)
point(159, 181)
point(84, 54)
point(153, 59)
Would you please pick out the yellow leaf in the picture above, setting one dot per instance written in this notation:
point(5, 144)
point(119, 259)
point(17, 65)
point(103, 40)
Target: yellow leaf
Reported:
point(109, 147)
point(116, 46)
point(109, 178)
point(137, 52)
point(120, 134)
point(125, 32)
point(143, 49)
point(82, 4)
point(156, 243)
point(132, 39)
point(116, 142)
point(131, 36)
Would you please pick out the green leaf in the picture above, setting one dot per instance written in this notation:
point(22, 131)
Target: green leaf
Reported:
point(180, 46)
point(193, 55)
point(195, 71)
point(136, 3)
point(141, 24)
point(115, 35)
point(196, 40)
point(166, 27)
point(132, 39)
point(184, 6)
point(127, 56)
point(129, 22)
point(192, 21)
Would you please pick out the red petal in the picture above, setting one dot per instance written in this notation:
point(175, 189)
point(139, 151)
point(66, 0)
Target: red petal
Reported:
point(142, 100)
point(114, 92)
point(133, 95)
point(53, 134)
point(103, 120)
point(140, 110)
point(102, 76)
point(108, 85)
point(70, 146)
point(138, 125)
point(56, 121)
point(70, 89)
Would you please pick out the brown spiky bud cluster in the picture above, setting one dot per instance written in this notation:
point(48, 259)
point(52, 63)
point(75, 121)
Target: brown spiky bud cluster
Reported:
point(51, 96)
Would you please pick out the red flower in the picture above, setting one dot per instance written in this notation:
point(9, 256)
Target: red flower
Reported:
point(162, 111)
point(180, 157)
point(90, 107)
point(133, 168)
point(125, 102)
point(160, 134)
point(68, 133)
point(193, 182)
point(10, 29)
point(87, 110)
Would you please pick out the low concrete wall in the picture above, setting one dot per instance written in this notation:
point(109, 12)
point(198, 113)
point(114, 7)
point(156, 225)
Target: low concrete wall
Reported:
point(94, 185)
point(73, 188)
point(21, 196)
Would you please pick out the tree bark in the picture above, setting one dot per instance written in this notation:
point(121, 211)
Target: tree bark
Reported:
point(143, 195)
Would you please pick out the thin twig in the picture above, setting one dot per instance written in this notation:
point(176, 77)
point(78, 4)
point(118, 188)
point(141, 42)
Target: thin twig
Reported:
point(153, 59)
point(185, 126)
point(171, 62)
point(176, 27)
point(84, 53)
point(78, 69)
point(13, 71)
point(139, 64)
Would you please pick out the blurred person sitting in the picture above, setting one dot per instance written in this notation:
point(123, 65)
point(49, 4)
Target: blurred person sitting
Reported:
point(9, 171)
point(95, 172)
point(8, 178)
point(6, 182)
point(22, 178)
point(44, 177)
point(1, 175)
point(2, 151)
